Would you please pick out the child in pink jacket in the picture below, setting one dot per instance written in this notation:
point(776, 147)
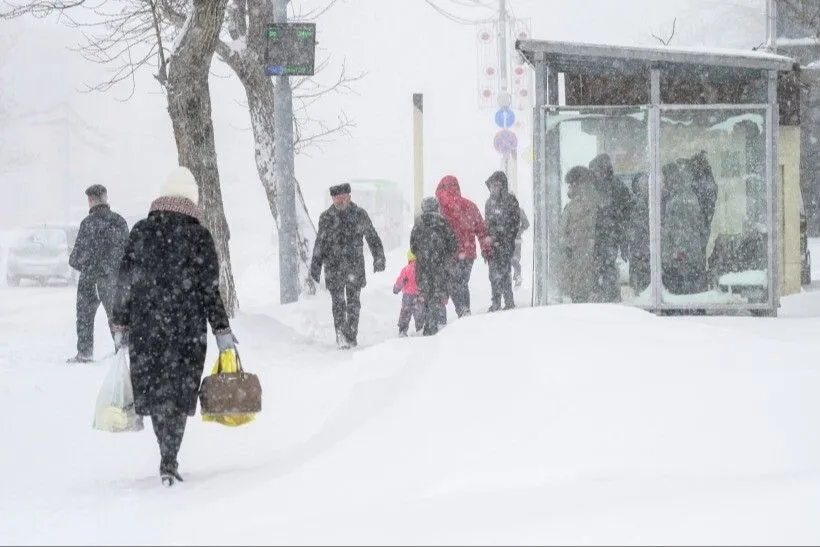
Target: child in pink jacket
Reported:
point(411, 301)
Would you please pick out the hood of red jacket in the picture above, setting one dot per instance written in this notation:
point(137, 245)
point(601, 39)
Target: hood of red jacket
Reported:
point(448, 190)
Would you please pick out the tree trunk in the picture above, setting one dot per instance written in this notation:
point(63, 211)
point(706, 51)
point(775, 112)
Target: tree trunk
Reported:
point(189, 105)
point(248, 64)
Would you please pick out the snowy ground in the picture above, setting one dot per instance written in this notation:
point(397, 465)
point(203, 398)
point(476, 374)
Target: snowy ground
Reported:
point(570, 424)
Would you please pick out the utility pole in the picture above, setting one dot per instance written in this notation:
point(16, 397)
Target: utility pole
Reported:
point(418, 152)
point(284, 175)
point(504, 93)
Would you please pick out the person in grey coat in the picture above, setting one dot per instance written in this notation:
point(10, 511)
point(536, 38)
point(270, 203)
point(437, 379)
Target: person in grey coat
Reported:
point(579, 259)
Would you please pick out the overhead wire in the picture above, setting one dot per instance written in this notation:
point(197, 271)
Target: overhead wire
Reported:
point(453, 17)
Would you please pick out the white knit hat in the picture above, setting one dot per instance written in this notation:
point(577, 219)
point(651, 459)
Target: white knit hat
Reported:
point(181, 183)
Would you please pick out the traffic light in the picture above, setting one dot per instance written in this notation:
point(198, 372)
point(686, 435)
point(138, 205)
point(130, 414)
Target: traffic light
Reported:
point(291, 49)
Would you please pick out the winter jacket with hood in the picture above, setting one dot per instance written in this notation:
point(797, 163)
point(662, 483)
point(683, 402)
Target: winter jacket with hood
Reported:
point(464, 218)
point(434, 244)
point(503, 216)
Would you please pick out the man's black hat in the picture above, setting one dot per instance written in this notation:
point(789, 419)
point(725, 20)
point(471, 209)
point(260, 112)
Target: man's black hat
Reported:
point(340, 189)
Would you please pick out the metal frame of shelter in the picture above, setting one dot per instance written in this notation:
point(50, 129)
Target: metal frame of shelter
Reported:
point(653, 80)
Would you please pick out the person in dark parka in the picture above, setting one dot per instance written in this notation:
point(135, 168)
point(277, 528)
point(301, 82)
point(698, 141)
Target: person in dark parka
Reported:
point(503, 217)
point(167, 293)
point(434, 244)
point(339, 248)
point(616, 208)
point(96, 255)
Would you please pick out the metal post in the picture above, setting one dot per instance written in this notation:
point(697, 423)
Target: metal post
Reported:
point(418, 151)
point(284, 176)
point(771, 26)
point(774, 193)
point(655, 188)
point(539, 188)
point(502, 66)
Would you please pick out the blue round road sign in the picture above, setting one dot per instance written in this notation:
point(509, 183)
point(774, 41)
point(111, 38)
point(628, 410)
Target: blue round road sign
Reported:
point(505, 142)
point(505, 117)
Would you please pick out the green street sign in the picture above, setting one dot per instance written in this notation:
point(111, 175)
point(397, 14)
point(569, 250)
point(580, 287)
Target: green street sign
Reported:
point(291, 49)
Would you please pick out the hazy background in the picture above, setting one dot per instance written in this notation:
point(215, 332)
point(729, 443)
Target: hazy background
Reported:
point(405, 46)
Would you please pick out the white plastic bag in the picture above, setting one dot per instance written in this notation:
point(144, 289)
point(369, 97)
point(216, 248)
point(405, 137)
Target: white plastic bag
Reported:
point(115, 401)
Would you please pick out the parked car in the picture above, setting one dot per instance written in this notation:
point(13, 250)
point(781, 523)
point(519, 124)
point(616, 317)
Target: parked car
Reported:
point(41, 253)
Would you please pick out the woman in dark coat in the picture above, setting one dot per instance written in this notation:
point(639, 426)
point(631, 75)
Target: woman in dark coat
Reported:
point(434, 243)
point(167, 292)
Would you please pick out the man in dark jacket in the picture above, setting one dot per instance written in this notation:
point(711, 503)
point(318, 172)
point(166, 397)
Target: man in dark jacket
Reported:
point(503, 217)
point(96, 255)
point(434, 243)
point(167, 293)
point(616, 208)
point(340, 249)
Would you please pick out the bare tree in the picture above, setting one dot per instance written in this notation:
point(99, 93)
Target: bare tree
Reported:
point(189, 105)
point(245, 54)
point(805, 13)
point(130, 26)
point(129, 35)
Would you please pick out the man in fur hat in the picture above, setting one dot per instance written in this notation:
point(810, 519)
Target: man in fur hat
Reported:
point(339, 248)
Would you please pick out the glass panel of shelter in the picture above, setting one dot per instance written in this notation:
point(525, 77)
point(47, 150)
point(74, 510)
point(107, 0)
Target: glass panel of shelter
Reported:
point(714, 205)
point(603, 230)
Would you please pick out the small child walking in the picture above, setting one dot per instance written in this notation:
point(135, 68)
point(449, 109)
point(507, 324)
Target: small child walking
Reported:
point(411, 301)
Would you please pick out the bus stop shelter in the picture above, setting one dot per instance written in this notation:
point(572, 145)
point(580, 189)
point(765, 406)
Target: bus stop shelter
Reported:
point(691, 207)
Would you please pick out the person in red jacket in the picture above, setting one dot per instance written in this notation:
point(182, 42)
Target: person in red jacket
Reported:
point(465, 219)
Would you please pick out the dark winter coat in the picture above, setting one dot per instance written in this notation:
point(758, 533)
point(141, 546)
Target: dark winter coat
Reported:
point(339, 247)
point(434, 243)
point(168, 290)
point(615, 202)
point(638, 235)
point(503, 217)
point(100, 243)
point(705, 187)
point(683, 234)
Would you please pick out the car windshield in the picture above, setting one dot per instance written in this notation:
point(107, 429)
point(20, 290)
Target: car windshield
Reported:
point(45, 237)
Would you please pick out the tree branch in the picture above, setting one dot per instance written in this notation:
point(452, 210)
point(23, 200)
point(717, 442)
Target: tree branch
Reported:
point(671, 35)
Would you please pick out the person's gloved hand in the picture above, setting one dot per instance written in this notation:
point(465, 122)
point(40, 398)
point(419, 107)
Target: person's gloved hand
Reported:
point(378, 265)
point(120, 339)
point(396, 289)
point(226, 341)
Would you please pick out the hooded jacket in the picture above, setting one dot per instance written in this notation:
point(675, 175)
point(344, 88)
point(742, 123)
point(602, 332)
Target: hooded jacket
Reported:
point(464, 217)
point(503, 216)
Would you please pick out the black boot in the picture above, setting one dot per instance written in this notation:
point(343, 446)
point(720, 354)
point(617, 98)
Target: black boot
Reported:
point(169, 474)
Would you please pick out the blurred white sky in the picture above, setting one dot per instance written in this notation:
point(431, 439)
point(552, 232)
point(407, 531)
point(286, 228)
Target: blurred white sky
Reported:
point(405, 48)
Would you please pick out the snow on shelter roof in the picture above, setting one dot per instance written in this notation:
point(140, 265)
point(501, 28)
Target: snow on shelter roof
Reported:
point(566, 56)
